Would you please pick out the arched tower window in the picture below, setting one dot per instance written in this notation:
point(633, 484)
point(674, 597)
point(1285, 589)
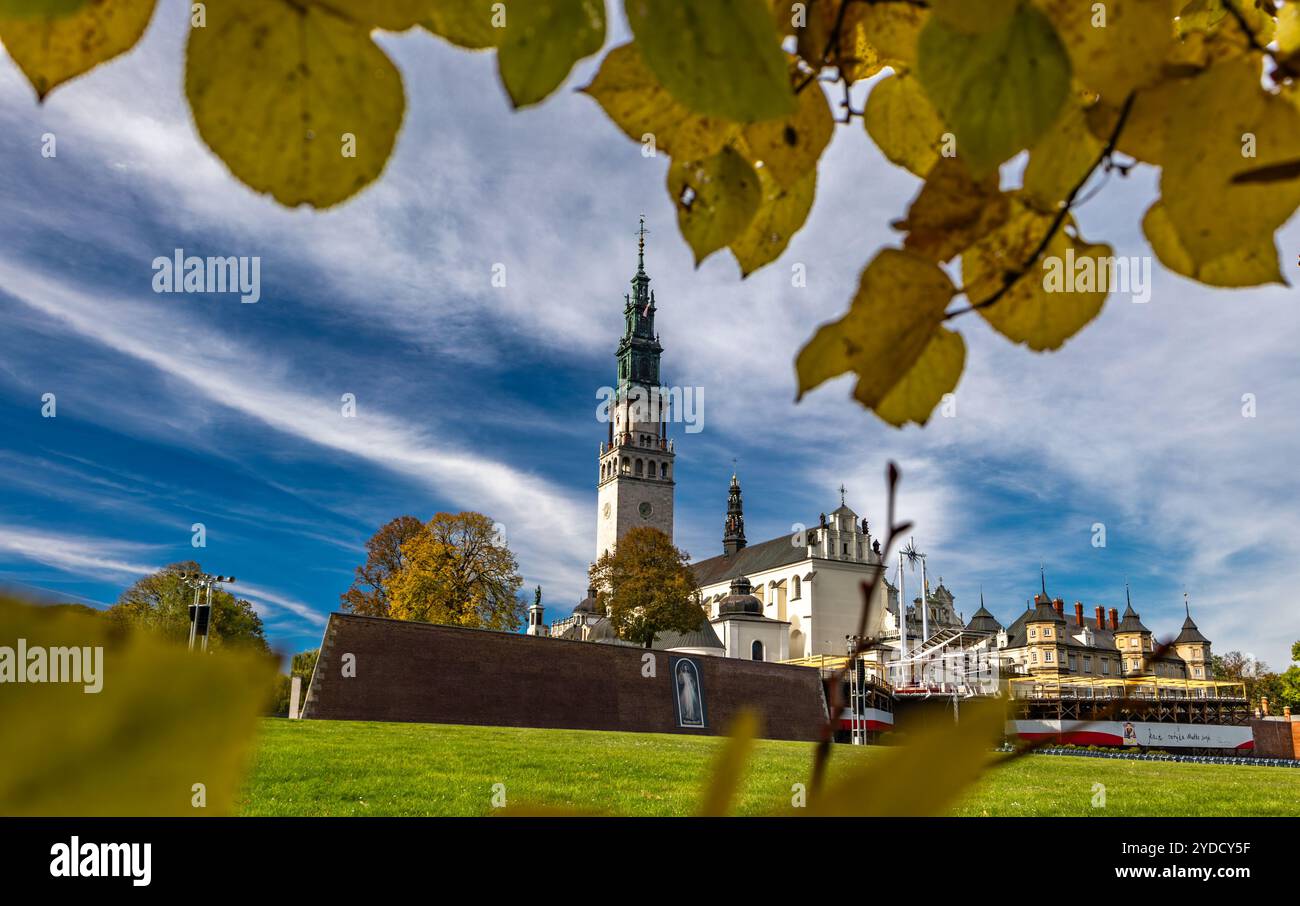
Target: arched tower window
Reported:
point(756, 651)
point(640, 467)
point(795, 588)
point(663, 470)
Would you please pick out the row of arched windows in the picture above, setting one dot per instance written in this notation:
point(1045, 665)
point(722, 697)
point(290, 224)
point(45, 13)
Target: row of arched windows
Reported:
point(638, 467)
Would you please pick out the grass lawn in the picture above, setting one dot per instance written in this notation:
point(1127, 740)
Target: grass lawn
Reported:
point(352, 768)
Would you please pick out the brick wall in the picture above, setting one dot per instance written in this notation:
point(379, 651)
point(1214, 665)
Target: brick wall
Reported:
point(445, 674)
point(1277, 738)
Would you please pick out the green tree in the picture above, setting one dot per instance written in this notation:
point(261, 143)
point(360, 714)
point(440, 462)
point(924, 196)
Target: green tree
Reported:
point(1295, 653)
point(646, 586)
point(159, 603)
point(384, 559)
point(301, 665)
point(457, 570)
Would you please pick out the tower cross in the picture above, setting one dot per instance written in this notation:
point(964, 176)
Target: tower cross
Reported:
point(842, 493)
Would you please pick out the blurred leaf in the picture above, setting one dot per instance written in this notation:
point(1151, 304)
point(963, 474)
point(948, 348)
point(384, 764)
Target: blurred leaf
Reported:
point(164, 720)
point(1125, 53)
point(924, 776)
point(953, 211)
point(790, 147)
point(51, 49)
point(1032, 311)
point(998, 90)
point(465, 23)
point(1225, 112)
point(900, 302)
point(720, 58)
point(640, 106)
point(1061, 159)
point(935, 373)
point(901, 122)
point(781, 214)
point(716, 198)
point(18, 9)
point(277, 87)
point(892, 29)
point(1253, 264)
point(973, 16)
point(392, 15)
point(729, 766)
point(543, 39)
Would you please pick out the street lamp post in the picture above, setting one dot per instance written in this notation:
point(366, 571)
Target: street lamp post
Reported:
point(201, 609)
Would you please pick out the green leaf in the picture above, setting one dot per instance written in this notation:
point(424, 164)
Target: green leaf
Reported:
point(1036, 310)
point(52, 48)
point(1253, 264)
point(720, 58)
point(998, 90)
point(934, 374)
point(163, 720)
point(973, 15)
point(716, 198)
point(898, 306)
point(472, 24)
point(543, 39)
point(632, 97)
point(901, 122)
point(277, 89)
point(781, 214)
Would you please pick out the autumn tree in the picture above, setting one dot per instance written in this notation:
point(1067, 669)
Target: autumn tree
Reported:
point(159, 603)
point(646, 587)
point(457, 570)
point(368, 596)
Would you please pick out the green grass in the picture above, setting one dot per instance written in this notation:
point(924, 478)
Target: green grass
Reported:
point(349, 768)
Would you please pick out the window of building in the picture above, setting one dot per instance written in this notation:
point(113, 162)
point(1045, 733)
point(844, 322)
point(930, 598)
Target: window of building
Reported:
point(1033, 657)
point(1047, 632)
point(1033, 633)
point(756, 651)
point(795, 589)
point(1105, 667)
point(640, 467)
point(1074, 663)
point(1087, 664)
point(1050, 657)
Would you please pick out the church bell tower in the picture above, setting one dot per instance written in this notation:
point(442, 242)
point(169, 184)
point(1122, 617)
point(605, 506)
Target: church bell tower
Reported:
point(635, 476)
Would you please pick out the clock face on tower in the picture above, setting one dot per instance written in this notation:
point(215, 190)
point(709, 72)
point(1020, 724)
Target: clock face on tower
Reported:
point(645, 509)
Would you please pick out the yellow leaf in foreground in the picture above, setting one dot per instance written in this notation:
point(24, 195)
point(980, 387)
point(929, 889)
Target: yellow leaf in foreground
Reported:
point(892, 29)
point(729, 766)
point(901, 122)
point(716, 198)
point(1054, 298)
point(297, 102)
point(164, 720)
point(720, 58)
point(21, 8)
point(51, 49)
point(393, 15)
point(899, 304)
point(935, 373)
point(973, 15)
point(924, 776)
point(632, 97)
point(953, 211)
point(780, 215)
point(543, 39)
point(1061, 159)
point(1228, 124)
point(1253, 264)
point(472, 24)
point(1114, 47)
point(791, 146)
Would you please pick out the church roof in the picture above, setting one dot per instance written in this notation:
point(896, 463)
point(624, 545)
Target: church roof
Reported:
point(702, 637)
point(1190, 633)
point(740, 600)
point(1044, 612)
point(983, 621)
point(587, 604)
point(843, 510)
point(748, 560)
point(1131, 622)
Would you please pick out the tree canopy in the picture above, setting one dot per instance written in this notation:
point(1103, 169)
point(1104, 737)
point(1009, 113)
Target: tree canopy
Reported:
point(159, 603)
point(384, 559)
point(645, 586)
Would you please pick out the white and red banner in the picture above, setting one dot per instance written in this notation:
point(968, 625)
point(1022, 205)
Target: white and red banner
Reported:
point(1135, 733)
point(876, 719)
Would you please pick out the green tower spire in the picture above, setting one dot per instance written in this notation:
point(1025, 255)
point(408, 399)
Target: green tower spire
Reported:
point(639, 349)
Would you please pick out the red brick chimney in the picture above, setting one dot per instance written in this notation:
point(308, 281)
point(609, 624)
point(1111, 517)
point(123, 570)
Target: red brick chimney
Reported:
point(1060, 607)
point(1114, 618)
point(1101, 618)
point(1078, 613)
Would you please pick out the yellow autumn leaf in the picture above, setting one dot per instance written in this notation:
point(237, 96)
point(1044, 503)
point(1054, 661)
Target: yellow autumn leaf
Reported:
point(1228, 124)
point(729, 765)
point(542, 40)
point(1288, 28)
point(899, 304)
point(1143, 135)
point(163, 719)
point(1054, 297)
point(934, 374)
point(891, 29)
point(1061, 159)
point(392, 15)
point(721, 58)
point(953, 211)
point(716, 198)
point(631, 96)
point(24, 8)
point(901, 122)
point(1115, 47)
point(297, 101)
point(973, 15)
point(472, 24)
point(54, 47)
point(998, 90)
point(789, 147)
point(924, 776)
point(780, 215)
point(1253, 264)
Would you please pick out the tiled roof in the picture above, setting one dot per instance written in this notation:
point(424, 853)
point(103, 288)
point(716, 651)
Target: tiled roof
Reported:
point(749, 560)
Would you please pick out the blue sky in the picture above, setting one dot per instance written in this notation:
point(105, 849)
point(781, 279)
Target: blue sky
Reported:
point(181, 409)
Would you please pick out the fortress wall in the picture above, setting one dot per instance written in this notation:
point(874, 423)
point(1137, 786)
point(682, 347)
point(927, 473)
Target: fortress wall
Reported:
point(425, 673)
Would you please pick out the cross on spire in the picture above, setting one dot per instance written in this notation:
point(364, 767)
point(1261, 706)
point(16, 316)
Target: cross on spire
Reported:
point(640, 245)
point(842, 492)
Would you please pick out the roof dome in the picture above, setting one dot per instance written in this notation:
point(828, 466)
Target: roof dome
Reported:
point(587, 604)
point(983, 621)
point(740, 600)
